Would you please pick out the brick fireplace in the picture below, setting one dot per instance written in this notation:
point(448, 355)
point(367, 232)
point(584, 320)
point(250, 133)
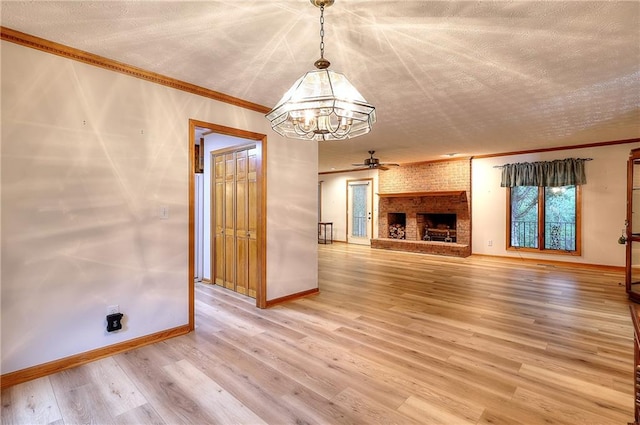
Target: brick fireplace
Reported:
point(442, 216)
point(432, 221)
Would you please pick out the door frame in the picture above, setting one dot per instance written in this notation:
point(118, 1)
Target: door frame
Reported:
point(261, 237)
point(370, 183)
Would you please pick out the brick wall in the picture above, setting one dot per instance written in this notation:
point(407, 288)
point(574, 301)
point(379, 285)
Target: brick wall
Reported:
point(427, 177)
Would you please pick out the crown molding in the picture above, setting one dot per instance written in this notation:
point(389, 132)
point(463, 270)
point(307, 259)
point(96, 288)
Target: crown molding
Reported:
point(559, 148)
point(68, 52)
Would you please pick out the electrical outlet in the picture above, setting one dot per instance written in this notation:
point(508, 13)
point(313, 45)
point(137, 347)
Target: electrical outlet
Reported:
point(113, 309)
point(490, 243)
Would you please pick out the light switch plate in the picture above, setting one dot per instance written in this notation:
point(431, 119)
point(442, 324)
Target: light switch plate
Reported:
point(164, 212)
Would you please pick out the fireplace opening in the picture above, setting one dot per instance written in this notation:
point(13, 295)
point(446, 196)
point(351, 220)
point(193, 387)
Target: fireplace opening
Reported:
point(397, 225)
point(437, 227)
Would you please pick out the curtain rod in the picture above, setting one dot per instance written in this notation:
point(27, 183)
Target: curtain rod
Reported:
point(502, 166)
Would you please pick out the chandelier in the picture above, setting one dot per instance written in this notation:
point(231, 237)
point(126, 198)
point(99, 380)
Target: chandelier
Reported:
point(322, 104)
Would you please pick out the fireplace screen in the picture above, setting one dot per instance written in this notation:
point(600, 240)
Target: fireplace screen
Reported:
point(437, 227)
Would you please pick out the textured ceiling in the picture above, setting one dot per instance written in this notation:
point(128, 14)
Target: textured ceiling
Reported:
point(445, 76)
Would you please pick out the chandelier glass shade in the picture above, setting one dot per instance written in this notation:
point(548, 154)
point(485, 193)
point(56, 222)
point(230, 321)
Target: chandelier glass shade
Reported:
point(322, 104)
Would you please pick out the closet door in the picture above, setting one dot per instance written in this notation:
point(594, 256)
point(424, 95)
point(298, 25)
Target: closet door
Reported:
point(235, 220)
point(229, 220)
point(252, 218)
point(242, 228)
point(217, 249)
point(246, 223)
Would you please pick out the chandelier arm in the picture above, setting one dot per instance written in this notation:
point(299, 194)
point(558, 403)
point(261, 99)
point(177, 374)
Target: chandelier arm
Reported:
point(308, 134)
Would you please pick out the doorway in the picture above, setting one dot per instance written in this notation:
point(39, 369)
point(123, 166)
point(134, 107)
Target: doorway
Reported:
point(260, 142)
point(359, 210)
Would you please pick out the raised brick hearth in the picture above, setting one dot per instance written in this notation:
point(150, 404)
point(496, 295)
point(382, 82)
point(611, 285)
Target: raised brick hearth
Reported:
point(450, 249)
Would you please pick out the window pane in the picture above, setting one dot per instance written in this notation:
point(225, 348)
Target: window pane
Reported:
point(560, 218)
point(524, 216)
point(359, 218)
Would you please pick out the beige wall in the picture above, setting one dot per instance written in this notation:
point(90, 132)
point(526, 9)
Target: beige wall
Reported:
point(334, 200)
point(88, 158)
point(603, 204)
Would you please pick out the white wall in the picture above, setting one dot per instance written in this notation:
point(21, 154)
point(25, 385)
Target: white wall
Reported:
point(334, 200)
point(603, 204)
point(88, 158)
point(292, 188)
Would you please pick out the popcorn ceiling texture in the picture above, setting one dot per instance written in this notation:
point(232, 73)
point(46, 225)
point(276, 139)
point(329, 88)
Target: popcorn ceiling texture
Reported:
point(472, 77)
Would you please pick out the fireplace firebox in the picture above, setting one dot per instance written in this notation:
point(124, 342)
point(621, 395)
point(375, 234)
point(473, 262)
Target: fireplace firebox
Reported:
point(437, 227)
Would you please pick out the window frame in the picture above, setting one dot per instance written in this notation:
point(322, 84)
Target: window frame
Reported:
point(541, 226)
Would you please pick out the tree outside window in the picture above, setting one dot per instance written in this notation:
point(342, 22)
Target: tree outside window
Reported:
point(543, 205)
point(544, 219)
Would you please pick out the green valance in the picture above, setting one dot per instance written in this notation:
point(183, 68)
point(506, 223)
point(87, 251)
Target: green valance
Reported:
point(561, 172)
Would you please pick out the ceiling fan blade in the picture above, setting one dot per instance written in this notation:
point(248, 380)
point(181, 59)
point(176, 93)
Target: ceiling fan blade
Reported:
point(374, 163)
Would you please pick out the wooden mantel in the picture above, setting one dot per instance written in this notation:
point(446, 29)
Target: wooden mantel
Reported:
point(420, 194)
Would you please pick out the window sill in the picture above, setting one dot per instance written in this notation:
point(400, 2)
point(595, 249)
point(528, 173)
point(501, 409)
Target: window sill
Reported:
point(544, 251)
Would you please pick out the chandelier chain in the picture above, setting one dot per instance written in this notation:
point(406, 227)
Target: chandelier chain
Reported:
point(322, 31)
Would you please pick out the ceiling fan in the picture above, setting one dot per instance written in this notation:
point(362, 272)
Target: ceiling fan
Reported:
point(372, 162)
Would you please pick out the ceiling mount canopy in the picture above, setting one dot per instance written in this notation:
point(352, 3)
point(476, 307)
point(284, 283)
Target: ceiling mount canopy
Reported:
point(322, 104)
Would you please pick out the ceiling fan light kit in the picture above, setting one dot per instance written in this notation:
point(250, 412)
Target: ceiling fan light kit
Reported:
point(322, 104)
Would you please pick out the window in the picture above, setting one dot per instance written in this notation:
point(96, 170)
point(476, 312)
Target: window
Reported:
point(543, 205)
point(544, 219)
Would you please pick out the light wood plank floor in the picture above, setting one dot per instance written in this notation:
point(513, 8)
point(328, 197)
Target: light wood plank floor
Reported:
point(393, 338)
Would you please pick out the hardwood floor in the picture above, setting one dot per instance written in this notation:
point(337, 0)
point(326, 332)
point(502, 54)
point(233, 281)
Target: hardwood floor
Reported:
point(392, 338)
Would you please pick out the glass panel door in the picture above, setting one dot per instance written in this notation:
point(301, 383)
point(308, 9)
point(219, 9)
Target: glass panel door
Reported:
point(359, 223)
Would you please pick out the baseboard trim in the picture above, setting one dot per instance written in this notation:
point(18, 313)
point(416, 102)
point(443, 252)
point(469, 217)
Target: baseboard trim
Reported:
point(271, 303)
point(556, 263)
point(34, 372)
